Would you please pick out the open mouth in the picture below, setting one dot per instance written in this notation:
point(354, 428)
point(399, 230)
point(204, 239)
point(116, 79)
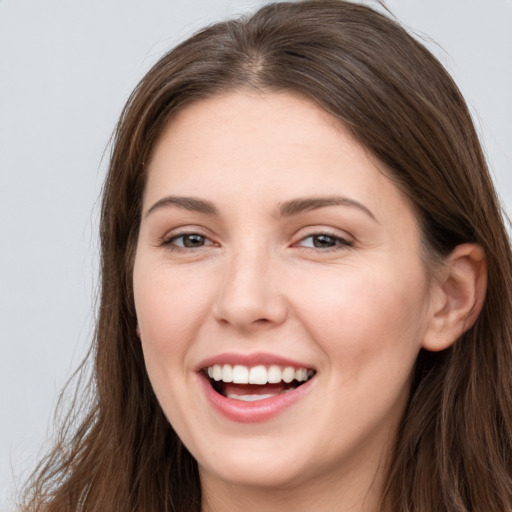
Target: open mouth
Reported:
point(253, 383)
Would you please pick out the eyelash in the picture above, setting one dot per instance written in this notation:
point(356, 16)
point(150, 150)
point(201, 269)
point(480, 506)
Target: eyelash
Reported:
point(337, 242)
point(170, 242)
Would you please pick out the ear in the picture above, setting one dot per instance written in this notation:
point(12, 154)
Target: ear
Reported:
point(137, 330)
point(457, 296)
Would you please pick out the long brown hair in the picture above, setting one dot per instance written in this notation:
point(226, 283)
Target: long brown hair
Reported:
point(453, 450)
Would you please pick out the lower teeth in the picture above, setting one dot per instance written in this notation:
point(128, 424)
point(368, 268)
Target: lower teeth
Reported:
point(248, 398)
point(255, 398)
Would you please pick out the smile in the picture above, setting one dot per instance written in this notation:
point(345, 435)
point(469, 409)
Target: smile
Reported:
point(255, 383)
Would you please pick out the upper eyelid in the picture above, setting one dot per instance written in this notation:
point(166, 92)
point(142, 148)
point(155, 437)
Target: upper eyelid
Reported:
point(187, 230)
point(308, 231)
point(325, 233)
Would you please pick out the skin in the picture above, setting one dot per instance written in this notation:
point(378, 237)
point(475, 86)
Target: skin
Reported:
point(357, 309)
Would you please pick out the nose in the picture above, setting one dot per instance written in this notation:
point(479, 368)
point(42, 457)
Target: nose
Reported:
point(251, 294)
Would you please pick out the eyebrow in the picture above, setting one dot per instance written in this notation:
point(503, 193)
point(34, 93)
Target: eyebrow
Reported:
point(286, 209)
point(296, 206)
point(186, 203)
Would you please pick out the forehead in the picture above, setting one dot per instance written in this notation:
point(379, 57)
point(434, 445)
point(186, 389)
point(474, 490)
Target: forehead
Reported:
point(264, 148)
point(251, 125)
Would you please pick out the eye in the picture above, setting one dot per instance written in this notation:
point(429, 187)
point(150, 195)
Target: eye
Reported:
point(187, 241)
point(324, 241)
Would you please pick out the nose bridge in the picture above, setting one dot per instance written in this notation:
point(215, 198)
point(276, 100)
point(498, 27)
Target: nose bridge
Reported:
point(250, 293)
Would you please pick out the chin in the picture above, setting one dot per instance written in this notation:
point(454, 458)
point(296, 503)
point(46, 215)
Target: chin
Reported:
point(259, 472)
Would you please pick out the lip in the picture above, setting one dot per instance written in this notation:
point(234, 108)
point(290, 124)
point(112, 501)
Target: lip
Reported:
point(250, 360)
point(257, 411)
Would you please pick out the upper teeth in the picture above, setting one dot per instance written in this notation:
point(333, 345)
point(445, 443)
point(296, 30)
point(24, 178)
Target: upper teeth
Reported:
point(273, 374)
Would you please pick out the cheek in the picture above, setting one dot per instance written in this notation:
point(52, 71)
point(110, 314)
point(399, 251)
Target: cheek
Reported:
point(171, 307)
point(365, 321)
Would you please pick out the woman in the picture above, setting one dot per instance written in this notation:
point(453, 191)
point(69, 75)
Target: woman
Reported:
point(305, 284)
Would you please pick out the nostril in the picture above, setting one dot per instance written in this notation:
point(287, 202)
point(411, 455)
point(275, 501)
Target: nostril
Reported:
point(262, 321)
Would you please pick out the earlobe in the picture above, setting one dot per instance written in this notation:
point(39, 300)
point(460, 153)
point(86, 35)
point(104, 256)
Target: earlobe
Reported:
point(458, 298)
point(137, 330)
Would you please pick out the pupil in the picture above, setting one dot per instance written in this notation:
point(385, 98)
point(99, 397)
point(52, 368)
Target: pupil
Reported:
point(193, 241)
point(324, 241)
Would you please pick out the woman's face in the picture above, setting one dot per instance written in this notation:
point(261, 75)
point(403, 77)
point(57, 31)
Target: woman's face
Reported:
point(273, 249)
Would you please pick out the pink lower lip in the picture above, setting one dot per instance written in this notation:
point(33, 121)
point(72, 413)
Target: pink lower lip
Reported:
point(253, 412)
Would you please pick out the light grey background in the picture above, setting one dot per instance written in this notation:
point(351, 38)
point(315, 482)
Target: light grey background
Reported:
point(66, 68)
